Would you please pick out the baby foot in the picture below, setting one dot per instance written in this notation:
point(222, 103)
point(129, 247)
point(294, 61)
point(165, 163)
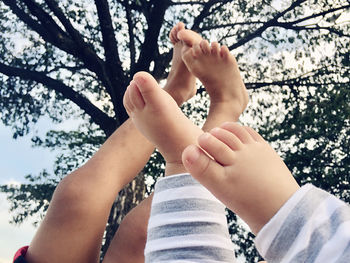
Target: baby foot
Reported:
point(181, 84)
point(157, 116)
point(246, 174)
point(217, 69)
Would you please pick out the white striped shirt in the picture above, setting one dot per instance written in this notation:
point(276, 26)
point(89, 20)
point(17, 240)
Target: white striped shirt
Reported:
point(187, 224)
point(312, 226)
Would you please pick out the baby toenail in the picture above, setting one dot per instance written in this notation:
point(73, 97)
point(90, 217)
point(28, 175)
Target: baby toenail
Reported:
point(205, 136)
point(215, 130)
point(194, 155)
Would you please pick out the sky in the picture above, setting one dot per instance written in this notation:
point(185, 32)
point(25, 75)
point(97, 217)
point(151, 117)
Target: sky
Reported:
point(12, 237)
point(17, 159)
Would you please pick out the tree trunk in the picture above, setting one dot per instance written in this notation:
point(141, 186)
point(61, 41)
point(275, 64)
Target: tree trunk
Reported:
point(128, 198)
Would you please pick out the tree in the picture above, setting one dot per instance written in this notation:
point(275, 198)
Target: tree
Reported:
point(78, 57)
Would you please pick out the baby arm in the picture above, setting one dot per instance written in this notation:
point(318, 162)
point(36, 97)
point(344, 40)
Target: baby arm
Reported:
point(317, 225)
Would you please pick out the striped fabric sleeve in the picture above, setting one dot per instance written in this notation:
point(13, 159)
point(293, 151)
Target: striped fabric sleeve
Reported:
point(187, 224)
point(312, 226)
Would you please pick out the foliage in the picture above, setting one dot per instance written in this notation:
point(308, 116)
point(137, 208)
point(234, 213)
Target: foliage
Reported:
point(73, 59)
point(32, 199)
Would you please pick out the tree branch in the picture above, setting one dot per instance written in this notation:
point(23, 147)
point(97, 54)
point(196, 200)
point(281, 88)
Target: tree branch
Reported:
point(258, 85)
point(161, 63)
point(85, 52)
point(56, 36)
point(131, 35)
point(266, 25)
point(188, 3)
point(150, 44)
point(292, 24)
point(76, 36)
point(203, 14)
point(44, 18)
point(53, 34)
point(132, 4)
point(316, 27)
point(81, 49)
point(113, 64)
point(109, 41)
point(211, 27)
point(319, 14)
point(106, 123)
point(72, 69)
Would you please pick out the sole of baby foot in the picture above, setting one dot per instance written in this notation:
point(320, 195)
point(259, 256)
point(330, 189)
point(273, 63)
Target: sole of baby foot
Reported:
point(157, 116)
point(218, 71)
